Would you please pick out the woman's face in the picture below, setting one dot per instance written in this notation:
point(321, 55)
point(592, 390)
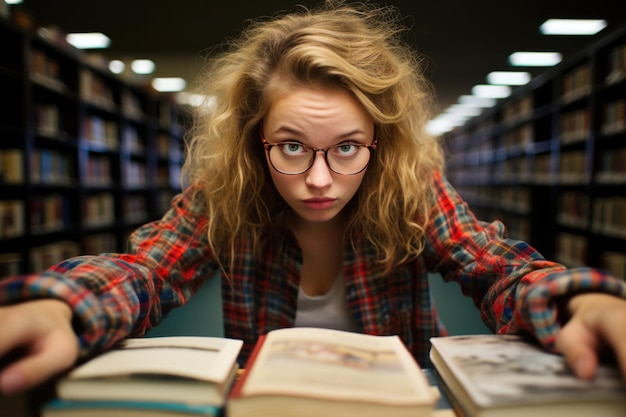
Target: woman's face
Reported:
point(318, 118)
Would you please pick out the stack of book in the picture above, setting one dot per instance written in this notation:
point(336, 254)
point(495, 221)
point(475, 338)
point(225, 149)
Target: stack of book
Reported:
point(509, 376)
point(151, 377)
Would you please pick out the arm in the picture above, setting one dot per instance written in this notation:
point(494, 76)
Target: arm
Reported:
point(112, 296)
point(515, 288)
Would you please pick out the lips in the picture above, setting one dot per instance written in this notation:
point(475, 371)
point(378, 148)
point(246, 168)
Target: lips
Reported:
point(319, 203)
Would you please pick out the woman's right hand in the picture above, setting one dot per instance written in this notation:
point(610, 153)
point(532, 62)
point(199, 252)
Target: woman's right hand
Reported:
point(37, 341)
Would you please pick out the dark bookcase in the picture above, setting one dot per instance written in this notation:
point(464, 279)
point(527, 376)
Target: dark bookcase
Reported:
point(85, 156)
point(550, 160)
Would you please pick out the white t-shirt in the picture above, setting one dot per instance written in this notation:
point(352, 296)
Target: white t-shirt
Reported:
point(328, 311)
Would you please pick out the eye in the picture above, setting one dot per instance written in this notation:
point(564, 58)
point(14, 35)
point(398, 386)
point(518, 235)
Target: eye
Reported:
point(293, 149)
point(346, 149)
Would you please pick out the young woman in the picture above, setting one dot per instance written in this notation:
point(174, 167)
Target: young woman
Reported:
point(313, 187)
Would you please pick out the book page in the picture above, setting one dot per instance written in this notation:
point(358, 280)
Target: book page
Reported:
point(505, 369)
point(202, 358)
point(334, 364)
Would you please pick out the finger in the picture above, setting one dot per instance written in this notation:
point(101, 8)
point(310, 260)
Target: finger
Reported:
point(32, 333)
point(38, 364)
point(579, 347)
point(613, 330)
point(13, 381)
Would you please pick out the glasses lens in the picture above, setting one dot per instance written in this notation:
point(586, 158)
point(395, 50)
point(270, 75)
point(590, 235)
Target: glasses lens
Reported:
point(291, 158)
point(348, 158)
point(295, 158)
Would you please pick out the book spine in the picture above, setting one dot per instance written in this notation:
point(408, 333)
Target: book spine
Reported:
point(236, 390)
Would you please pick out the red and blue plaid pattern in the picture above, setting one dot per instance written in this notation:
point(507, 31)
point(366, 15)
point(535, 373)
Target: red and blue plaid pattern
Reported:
point(117, 295)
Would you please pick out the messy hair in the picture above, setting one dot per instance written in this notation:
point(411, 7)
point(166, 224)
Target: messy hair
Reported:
point(360, 48)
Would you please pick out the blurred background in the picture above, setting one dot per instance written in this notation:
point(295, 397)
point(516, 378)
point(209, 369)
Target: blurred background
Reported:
point(461, 41)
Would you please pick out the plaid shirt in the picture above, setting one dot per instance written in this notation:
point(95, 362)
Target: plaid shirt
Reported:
point(117, 295)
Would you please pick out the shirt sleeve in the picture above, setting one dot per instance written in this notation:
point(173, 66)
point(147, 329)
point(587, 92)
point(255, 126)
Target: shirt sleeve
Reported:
point(516, 289)
point(115, 295)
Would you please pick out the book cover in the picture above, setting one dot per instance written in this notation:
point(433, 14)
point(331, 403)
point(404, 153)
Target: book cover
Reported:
point(187, 369)
point(313, 372)
point(509, 376)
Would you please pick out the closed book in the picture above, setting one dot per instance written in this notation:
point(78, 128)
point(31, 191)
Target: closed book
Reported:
point(177, 369)
point(99, 408)
point(310, 372)
point(510, 376)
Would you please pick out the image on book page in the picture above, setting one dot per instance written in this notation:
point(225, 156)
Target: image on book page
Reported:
point(340, 366)
point(499, 369)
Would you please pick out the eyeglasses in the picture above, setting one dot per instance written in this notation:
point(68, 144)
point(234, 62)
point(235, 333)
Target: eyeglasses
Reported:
point(293, 158)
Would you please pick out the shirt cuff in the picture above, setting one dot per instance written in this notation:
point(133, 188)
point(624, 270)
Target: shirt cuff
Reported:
point(91, 319)
point(538, 309)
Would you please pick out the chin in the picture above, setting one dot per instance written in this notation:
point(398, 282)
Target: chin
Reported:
point(318, 217)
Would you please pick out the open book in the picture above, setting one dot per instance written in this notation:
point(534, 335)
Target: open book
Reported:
point(309, 372)
point(177, 369)
point(508, 376)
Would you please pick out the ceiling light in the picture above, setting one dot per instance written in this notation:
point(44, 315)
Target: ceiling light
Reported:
point(116, 66)
point(508, 77)
point(469, 100)
point(572, 26)
point(169, 84)
point(535, 59)
point(142, 66)
point(463, 110)
point(441, 125)
point(196, 100)
point(91, 40)
point(491, 91)
point(13, 1)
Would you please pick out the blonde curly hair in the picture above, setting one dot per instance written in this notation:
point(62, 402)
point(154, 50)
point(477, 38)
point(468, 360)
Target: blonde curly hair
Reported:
point(356, 47)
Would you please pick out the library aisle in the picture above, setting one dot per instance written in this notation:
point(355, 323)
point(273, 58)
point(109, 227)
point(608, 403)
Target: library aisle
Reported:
point(86, 156)
point(550, 161)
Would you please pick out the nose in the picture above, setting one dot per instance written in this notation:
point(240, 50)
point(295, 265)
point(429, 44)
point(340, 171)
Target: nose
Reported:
point(319, 175)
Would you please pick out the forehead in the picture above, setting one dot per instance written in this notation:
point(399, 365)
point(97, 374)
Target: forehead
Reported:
point(305, 106)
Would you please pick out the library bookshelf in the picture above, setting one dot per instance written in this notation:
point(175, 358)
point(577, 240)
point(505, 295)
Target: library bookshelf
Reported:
point(85, 156)
point(550, 160)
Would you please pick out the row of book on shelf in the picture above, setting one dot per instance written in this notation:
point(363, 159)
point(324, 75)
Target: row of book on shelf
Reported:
point(97, 129)
point(608, 214)
point(309, 372)
point(51, 212)
point(47, 70)
point(572, 250)
point(42, 257)
point(572, 169)
point(50, 167)
point(617, 64)
point(574, 126)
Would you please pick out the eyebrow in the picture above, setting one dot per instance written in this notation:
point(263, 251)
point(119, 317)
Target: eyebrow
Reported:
point(287, 129)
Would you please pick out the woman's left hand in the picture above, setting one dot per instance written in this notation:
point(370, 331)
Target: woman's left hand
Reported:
point(597, 322)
